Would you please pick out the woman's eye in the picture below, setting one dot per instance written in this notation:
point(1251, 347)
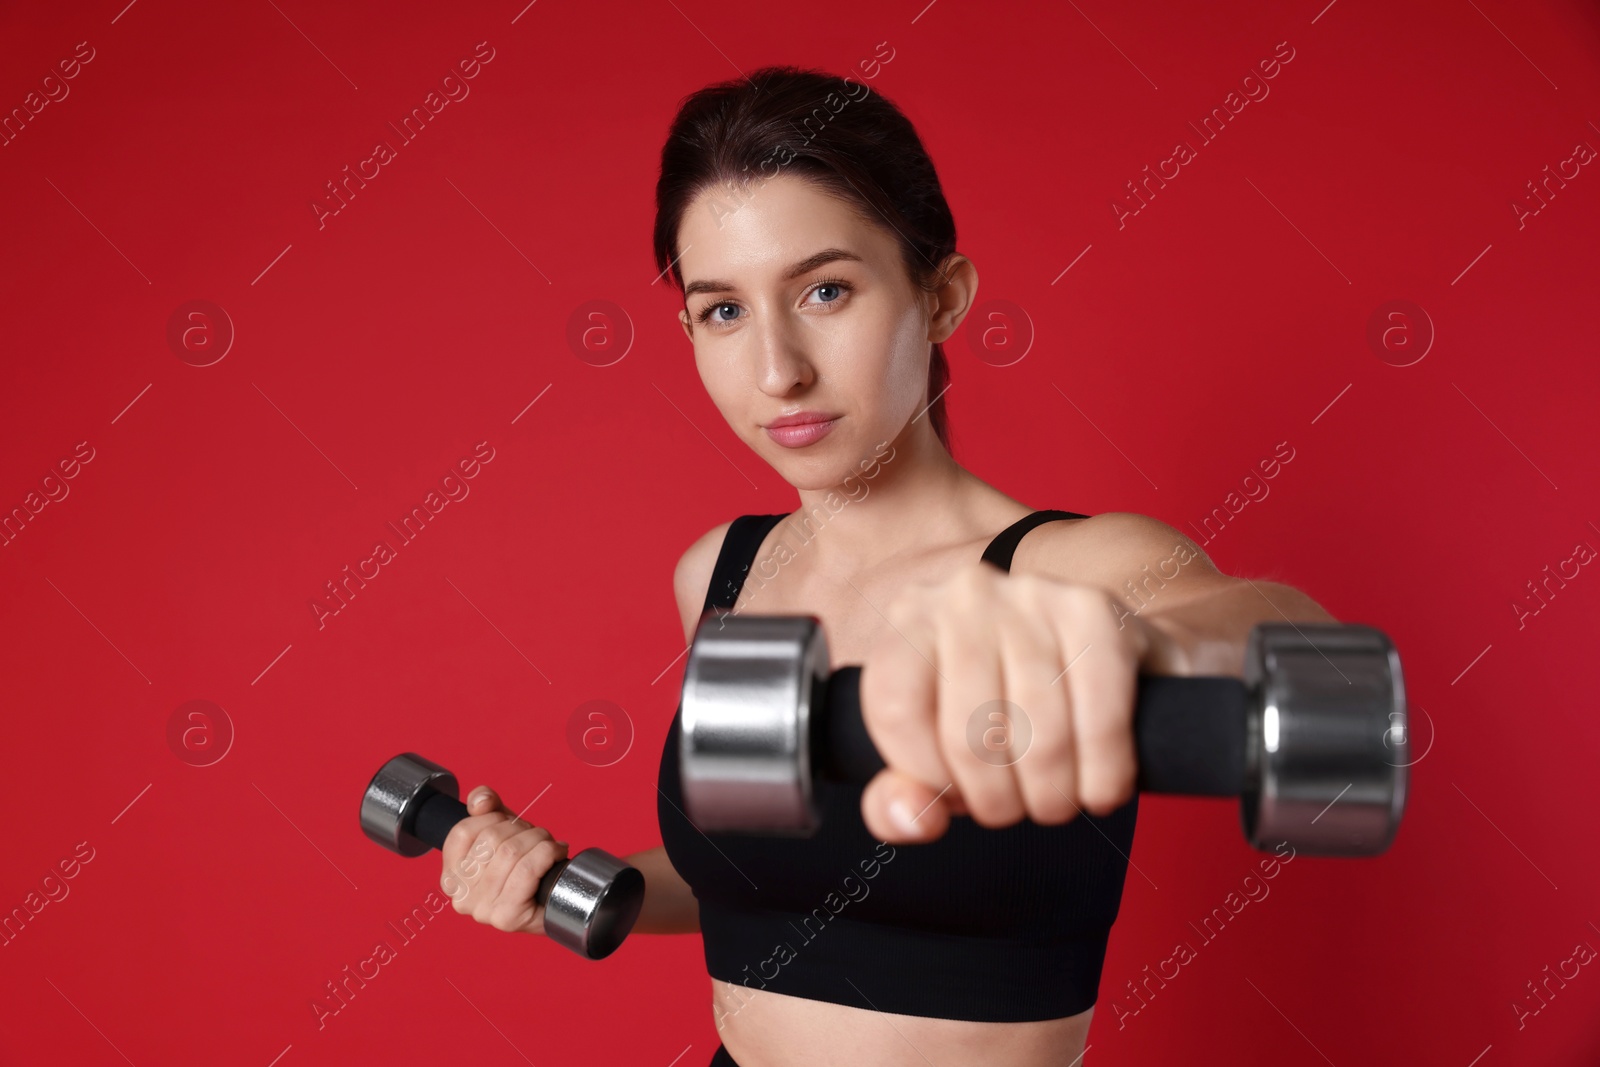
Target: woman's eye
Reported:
point(837, 286)
point(710, 313)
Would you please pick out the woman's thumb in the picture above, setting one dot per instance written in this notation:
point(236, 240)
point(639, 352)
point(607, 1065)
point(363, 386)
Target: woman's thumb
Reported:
point(899, 809)
point(482, 800)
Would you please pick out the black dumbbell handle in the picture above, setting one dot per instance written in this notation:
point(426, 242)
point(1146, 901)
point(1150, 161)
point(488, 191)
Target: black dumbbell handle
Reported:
point(437, 814)
point(1189, 734)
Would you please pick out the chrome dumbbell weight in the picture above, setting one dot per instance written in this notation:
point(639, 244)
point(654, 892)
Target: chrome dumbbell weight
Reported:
point(1312, 740)
point(591, 900)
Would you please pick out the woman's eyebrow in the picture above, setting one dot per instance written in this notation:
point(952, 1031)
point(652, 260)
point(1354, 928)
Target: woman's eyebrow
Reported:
point(810, 263)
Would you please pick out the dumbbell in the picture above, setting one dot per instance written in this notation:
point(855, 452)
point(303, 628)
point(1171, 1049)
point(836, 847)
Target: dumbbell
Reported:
point(591, 900)
point(1312, 740)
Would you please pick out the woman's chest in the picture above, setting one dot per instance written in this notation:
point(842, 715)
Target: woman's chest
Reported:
point(853, 607)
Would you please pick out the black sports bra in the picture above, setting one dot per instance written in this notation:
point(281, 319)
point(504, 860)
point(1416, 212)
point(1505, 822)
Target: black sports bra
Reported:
point(1004, 925)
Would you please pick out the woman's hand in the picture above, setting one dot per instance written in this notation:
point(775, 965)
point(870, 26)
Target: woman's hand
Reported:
point(969, 698)
point(493, 862)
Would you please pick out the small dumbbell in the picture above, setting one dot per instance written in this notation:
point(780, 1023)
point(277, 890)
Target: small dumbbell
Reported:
point(591, 900)
point(1312, 740)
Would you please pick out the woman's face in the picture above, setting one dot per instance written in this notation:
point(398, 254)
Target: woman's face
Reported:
point(777, 331)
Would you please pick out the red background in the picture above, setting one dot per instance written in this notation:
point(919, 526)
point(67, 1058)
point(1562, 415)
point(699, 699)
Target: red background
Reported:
point(373, 353)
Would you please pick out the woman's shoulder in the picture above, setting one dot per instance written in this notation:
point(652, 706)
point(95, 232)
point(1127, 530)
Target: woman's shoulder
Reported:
point(691, 578)
point(700, 558)
point(1102, 547)
point(692, 575)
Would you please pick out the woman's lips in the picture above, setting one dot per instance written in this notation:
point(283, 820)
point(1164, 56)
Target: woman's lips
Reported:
point(801, 434)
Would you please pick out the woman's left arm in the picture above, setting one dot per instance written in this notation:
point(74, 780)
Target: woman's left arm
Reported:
point(1165, 579)
point(1049, 653)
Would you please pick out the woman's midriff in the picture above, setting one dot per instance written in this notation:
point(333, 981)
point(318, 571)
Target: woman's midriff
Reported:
point(760, 1028)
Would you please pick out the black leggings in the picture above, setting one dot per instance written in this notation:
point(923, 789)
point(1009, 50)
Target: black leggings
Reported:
point(722, 1059)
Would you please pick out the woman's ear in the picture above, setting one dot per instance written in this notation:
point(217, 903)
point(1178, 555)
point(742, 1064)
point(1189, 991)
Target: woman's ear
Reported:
point(954, 297)
point(688, 328)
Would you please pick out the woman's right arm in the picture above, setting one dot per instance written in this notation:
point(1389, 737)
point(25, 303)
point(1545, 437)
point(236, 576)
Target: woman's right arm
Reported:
point(669, 904)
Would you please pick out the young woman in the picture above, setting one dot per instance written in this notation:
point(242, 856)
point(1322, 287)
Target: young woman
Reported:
point(955, 910)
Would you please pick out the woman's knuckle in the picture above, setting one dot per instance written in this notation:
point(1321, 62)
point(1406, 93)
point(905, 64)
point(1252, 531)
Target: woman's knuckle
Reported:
point(1048, 804)
point(1107, 793)
point(1084, 601)
point(963, 658)
point(1049, 749)
point(542, 856)
point(508, 851)
point(881, 704)
point(985, 782)
point(993, 808)
point(1101, 729)
point(1032, 657)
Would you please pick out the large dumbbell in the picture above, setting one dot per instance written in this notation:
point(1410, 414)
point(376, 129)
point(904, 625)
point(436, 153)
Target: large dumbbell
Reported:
point(1312, 740)
point(591, 900)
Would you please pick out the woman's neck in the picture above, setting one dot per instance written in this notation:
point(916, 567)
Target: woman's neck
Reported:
point(914, 497)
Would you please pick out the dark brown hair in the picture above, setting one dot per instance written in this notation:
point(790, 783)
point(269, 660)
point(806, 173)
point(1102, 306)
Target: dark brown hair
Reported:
point(835, 132)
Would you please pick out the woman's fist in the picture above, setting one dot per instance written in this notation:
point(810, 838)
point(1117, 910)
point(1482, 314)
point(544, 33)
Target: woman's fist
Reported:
point(1003, 696)
point(493, 862)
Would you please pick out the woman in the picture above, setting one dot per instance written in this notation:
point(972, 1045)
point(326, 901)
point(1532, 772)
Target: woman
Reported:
point(805, 225)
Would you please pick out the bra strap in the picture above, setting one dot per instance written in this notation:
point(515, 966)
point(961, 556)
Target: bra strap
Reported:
point(739, 548)
point(1005, 542)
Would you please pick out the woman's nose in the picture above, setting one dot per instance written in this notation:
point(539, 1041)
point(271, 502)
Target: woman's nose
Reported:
point(784, 361)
